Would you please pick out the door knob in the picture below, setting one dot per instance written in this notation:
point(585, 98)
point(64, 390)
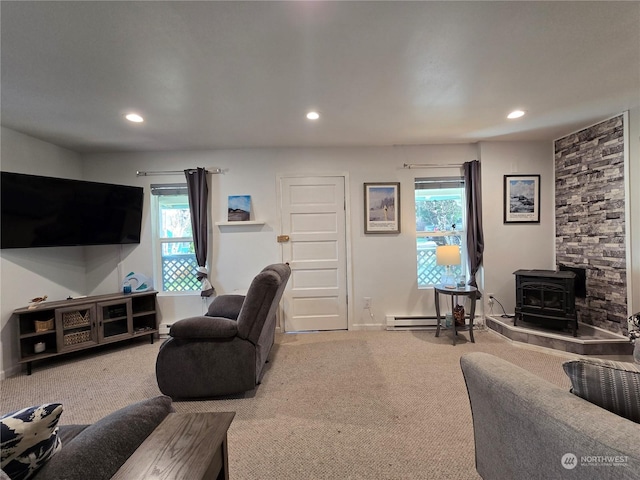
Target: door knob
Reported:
point(283, 238)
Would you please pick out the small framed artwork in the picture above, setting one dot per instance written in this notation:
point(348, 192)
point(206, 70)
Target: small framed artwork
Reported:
point(522, 199)
point(239, 209)
point(382, 207)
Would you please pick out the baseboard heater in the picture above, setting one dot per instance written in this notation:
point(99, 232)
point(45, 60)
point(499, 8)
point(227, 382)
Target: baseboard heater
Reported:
point(398, 322)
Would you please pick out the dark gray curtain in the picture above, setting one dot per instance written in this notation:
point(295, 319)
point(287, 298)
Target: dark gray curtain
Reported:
point(198, 193)
point(475, 237)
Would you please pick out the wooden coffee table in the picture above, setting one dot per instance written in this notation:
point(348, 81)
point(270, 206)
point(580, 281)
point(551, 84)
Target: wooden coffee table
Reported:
point(186, 446)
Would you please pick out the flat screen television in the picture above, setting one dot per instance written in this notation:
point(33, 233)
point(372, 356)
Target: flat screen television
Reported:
point(39, 211)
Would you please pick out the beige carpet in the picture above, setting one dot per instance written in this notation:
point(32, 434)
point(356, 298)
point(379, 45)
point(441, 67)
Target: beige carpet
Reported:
point(333, 405)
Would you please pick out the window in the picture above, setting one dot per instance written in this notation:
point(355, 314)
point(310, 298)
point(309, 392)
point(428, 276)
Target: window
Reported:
point(176, 264)
point(440, 220)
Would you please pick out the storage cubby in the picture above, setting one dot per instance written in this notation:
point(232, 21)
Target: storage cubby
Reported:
point(28, 343)
point(55, 328)
point(144, 315)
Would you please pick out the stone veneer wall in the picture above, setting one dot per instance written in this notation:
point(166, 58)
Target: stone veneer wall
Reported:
point(590, 219)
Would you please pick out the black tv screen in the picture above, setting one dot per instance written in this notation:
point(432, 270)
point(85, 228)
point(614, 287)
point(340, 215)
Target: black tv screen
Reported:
point(42, 211)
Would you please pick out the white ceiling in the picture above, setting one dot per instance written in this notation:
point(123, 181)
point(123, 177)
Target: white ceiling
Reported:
point(210, 75)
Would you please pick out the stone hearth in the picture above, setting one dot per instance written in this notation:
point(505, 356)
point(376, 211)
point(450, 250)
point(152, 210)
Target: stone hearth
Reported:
point(590, 340)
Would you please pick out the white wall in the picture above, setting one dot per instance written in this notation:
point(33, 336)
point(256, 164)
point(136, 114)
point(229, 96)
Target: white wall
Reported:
point(383, 266)
point(33, 272)
point(509, 247)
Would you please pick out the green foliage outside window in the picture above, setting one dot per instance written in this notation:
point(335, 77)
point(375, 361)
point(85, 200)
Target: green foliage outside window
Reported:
point(438, 215)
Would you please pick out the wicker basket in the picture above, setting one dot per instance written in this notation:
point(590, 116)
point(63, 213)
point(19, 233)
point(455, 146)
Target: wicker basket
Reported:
point(43, 325)
point(75, 319)
point(77, 337)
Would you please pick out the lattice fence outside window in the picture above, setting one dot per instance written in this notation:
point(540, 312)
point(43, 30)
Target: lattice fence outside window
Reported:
point(179, 273)
point(428, 272)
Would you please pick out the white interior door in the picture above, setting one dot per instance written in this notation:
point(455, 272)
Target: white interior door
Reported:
point(313, 217)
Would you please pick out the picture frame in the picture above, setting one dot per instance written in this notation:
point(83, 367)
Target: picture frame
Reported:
point(521, 199)
point(382, 207)
point(239, 208)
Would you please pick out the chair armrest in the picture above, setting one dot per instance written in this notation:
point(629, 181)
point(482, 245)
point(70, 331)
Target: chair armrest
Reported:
point(204, 327)
point(227, 306)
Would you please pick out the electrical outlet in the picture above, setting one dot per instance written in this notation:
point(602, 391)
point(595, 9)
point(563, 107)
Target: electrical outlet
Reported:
point(490, 299)
point(367, 302)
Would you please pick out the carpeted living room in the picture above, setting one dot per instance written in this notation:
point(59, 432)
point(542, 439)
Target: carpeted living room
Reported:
point(360, 405)
point(285, 240)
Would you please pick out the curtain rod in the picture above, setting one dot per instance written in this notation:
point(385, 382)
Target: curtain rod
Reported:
point(424, 165)
point(139, 173)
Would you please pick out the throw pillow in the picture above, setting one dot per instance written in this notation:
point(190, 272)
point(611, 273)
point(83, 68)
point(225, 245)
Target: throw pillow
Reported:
point(99, 450)
point(614, 386)
point(227, 306)
point(29, 439)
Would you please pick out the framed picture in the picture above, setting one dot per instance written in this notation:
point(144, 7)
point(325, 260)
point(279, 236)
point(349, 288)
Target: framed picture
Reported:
point(239, 209)
point(522, 199)
point(382, 207)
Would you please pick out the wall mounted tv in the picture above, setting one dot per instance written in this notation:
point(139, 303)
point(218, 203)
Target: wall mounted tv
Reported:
point(41, 211)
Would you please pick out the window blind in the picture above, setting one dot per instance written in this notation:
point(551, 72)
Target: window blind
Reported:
point(168, 189)
point(433, 183)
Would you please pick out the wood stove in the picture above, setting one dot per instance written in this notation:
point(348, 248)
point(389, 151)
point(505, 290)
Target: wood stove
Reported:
point(547, 298)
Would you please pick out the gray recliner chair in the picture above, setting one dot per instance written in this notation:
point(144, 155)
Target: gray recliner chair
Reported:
point(224, 351)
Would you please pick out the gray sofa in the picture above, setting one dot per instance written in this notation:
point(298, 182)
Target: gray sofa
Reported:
point(526, 427)
point(223, 352)
point(97, 451)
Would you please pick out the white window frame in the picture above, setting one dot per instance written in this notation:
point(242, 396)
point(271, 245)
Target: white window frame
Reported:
point(158, 190)
point(441, 183)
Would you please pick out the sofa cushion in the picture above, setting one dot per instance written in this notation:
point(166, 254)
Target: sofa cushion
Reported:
point(29, 439)
point(98, 451)
point(614, 386)
point(66, 433)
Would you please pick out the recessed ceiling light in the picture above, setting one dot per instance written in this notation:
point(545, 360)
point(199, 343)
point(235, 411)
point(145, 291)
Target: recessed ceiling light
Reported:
point(516, 114)
point(134, 117)
point(313, 115)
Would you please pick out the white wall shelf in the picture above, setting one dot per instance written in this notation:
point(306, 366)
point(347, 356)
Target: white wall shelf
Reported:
point(239, 224)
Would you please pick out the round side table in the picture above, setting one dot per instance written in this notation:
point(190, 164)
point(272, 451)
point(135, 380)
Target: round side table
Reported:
point(465, 291)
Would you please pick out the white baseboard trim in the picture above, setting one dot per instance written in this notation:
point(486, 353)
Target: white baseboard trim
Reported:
point(366, 326)
point(10, 372)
